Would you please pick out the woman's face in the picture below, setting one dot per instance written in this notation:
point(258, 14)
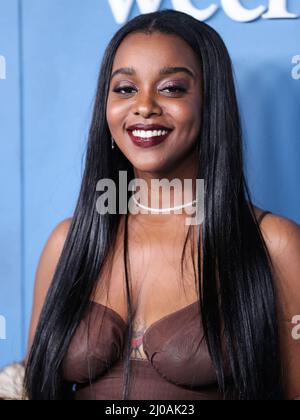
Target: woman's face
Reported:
point(148, 97)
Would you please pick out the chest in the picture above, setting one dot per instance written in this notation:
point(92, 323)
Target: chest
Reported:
point(162, 273)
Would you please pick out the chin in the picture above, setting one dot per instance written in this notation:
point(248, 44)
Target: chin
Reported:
point(150, 168)
point(148, 162)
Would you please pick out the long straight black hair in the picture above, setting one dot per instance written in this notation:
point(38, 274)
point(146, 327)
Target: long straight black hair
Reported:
point(236, 279)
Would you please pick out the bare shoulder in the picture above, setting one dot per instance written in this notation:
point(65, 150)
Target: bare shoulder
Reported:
point(60, 232)
point(51, 252)
point(282, 237)
point(46, 268)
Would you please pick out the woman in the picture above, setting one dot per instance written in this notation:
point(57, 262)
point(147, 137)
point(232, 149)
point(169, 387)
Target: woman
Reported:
point(140, 306)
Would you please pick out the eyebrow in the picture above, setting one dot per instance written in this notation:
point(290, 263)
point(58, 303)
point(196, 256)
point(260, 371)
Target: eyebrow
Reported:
point(129, 71)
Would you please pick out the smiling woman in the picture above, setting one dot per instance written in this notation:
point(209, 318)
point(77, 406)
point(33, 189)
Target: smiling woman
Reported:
point(140, 306)
point(157, 94)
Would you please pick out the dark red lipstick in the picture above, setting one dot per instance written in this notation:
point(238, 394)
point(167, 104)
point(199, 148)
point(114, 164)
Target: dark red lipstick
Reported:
point(159, 134)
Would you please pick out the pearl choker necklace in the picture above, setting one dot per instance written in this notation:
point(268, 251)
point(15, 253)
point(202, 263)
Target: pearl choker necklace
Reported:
point(164, 210)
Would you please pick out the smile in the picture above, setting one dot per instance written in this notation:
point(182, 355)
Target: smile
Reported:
point(148, 138)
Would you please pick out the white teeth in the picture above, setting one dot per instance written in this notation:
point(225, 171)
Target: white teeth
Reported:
point(149, 134)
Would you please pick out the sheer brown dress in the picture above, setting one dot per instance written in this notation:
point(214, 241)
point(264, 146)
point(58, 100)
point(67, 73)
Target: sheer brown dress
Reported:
point(178, 365)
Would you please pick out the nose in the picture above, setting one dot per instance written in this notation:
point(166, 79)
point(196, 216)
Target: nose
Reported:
point(146, 105)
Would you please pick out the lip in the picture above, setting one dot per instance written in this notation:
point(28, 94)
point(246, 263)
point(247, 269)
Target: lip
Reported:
point(148, 127)
point(148, 142)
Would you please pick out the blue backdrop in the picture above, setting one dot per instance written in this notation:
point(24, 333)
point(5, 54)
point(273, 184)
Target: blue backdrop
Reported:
point(50, 53)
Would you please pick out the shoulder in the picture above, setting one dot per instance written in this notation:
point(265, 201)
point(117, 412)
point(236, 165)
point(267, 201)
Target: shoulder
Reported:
point(51, 252)
point(45, 271)
point(53, 247)
point(282, 235)
point(282, 238)
point(60, 232)
point(54, 244)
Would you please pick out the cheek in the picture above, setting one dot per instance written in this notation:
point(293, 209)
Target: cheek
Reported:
point(187, 116)
point(115, 112)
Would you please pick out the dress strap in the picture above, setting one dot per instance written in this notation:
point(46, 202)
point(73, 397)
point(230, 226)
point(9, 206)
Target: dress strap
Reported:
point(261, 217)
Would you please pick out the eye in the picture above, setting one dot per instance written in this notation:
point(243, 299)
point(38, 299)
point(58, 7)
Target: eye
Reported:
point(175, 89)
point(123, 90)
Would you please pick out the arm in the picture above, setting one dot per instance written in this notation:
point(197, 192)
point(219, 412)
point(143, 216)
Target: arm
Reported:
point(282, 237)
point(45, 271)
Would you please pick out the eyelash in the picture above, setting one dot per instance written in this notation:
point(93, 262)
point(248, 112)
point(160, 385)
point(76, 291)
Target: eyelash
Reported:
point(178, 88)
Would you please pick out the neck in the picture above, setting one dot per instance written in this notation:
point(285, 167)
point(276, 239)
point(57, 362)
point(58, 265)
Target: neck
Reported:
point(182, 179)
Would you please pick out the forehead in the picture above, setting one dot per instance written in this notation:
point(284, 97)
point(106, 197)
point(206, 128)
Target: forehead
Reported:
point(154, 50)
